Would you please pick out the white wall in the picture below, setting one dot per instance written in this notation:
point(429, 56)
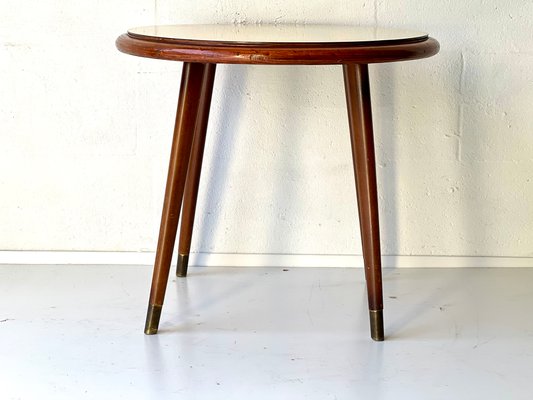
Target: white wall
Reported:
point(85, 133)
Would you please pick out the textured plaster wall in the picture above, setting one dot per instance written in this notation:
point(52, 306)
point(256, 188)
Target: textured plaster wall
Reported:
point(85, 132)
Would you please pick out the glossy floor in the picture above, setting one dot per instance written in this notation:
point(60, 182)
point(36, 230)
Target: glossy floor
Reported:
point(75, 332)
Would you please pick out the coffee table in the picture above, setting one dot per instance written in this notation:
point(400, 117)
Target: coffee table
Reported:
point(201, 48)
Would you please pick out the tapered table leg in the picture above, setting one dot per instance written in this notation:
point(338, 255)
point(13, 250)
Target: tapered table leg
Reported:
point(194, 171)
point(189, 99)
point(357, 88)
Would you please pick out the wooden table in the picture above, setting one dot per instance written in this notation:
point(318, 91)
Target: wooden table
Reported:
point(201, 48)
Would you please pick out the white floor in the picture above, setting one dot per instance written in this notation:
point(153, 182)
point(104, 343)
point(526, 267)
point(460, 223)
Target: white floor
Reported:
point(75, 332)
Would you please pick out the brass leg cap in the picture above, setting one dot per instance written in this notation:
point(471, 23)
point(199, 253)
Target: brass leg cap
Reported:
point(376, 325)
point(183, 264)
point(152, 319)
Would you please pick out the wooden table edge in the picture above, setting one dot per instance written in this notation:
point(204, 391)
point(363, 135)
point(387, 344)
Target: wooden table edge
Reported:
point(278, 54)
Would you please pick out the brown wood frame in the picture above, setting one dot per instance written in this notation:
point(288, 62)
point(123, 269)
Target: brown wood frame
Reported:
point(296, 54)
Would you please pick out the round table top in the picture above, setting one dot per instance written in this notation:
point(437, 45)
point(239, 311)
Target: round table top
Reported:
point(269, 34)
point(276, 44)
